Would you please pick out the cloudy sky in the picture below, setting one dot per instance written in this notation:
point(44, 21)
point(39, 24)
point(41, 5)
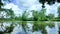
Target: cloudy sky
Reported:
point(20, 5)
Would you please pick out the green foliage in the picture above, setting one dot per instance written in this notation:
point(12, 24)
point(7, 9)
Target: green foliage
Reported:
point(51, 24)
point(35, 15)
point(9, 29)
point(41, 25)
point(38, 16)
point(50, 16)
point(24, 25)
point(9, 12)
point(25, 16)
point(59, 12)
point(42, 15)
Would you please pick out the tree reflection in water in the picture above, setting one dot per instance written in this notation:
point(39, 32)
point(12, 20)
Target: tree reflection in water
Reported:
point(35, 26)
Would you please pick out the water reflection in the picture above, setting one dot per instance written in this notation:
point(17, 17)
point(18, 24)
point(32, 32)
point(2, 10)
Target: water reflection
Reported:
point(51, 28)
point(33, 27)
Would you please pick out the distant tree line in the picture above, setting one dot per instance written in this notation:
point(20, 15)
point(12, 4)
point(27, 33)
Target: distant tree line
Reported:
point(38, 16)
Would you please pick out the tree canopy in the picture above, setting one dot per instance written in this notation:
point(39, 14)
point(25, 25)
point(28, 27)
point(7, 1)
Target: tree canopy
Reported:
point(50, 2)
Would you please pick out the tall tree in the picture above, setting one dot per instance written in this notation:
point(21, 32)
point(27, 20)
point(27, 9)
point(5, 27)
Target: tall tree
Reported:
point(9, 12)
point(35, 15)
point(42, 15)
point(25, 16)
point(59, 18)
point(59, 12)
point(38, 16)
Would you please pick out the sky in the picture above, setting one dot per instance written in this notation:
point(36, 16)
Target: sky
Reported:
point(18, 6)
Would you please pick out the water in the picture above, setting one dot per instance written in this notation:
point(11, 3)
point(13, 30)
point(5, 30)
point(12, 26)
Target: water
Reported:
point(18, 29)
point(53, 30)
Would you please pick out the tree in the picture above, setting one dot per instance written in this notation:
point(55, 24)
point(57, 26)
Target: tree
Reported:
point(9, 12)
point(50, 2)
point(50, 16)
point(59, 17)
point(59, 12)
point(39, 16)
point(42, 15)
point(35, 15)
point(25, 16)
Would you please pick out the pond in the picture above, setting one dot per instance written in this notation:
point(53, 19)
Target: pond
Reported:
point(33, 27)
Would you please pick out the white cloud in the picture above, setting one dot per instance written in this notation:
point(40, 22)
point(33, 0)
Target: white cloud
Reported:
point(52, 9)
point(35, 5)
point(15, 8)
point(31, 5)
point(26, 3)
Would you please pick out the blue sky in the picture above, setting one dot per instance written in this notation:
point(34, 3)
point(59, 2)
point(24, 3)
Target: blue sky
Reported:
point(20, 5)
